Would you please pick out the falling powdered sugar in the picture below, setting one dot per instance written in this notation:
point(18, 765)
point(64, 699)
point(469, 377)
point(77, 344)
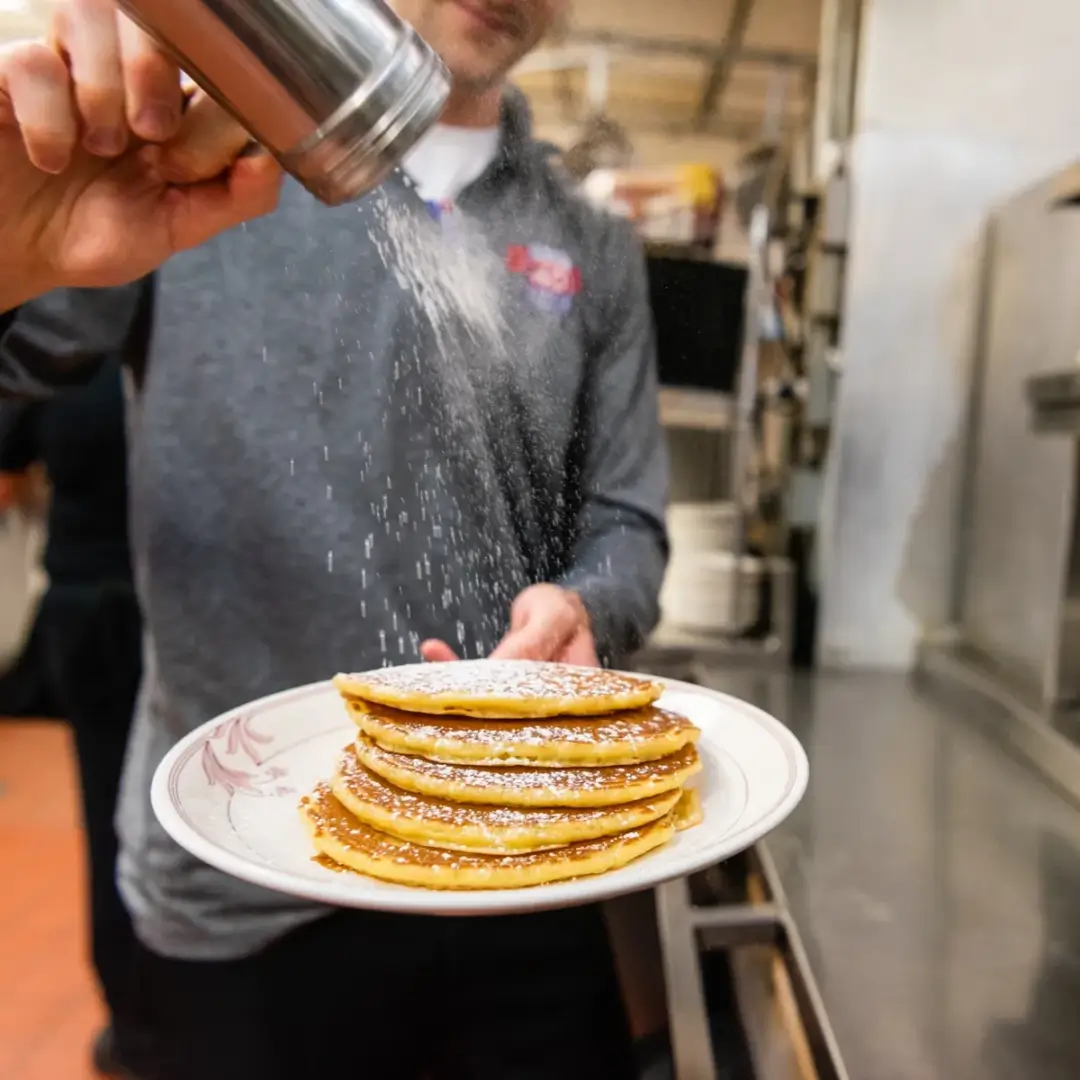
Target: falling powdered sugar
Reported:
point(466, 352)
point(451, 271)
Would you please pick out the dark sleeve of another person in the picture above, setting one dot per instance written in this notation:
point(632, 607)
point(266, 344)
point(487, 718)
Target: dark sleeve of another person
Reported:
point(60, 339)
point(20, 445)
point(18, 423)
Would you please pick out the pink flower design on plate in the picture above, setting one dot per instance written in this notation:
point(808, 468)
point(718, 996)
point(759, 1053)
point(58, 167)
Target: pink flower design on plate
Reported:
point(228, 754)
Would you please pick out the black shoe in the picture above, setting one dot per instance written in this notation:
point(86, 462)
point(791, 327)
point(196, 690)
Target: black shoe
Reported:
point(109, 1062)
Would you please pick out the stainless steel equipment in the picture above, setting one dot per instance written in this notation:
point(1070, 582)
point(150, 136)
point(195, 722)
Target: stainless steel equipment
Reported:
point(1016, 565)
point(337, 90)
point(1015, 631)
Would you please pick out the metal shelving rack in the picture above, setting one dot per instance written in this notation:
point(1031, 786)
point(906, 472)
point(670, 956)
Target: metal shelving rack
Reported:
point(739, 907)
point(738, 418)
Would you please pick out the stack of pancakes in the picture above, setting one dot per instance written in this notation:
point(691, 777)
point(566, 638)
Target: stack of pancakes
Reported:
point(502, 774)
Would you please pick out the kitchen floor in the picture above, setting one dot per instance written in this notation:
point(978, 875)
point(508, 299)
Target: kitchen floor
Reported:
point(49, 1007)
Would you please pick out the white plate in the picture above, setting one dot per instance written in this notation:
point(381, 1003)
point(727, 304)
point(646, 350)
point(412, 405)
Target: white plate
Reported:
point(228, 793)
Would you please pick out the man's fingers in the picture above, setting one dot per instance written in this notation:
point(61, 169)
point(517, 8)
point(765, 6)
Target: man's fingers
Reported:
point(87, 32)
point(151, 83)
point(527, 645)
point(580, 650)
point(437, 652)
point(540, 638)
point(542, 622)
point(208, 142)
point(34, 82)
point(201, 211)
point(521, 609)
point(547, 623)
point(122, 80)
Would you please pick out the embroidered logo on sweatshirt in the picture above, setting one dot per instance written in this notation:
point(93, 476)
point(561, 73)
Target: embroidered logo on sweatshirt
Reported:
point(550, 275)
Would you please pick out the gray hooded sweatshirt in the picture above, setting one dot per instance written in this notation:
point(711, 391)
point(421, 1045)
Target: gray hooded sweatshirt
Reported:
point(322, 477)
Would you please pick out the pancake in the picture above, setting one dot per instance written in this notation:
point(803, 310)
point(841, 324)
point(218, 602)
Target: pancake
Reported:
point(494, 830)
point(340, 836)
point(513, 785)
point(615, 739)
point(688, 811)
point(501, 689)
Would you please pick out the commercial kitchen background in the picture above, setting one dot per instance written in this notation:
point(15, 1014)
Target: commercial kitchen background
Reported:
point(873, 433)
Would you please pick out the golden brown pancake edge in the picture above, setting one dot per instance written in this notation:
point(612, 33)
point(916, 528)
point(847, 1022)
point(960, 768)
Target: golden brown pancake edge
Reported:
point(341, 837)
point(500, 689)
point(436, 822)
point(623, 738)
point(514, 785)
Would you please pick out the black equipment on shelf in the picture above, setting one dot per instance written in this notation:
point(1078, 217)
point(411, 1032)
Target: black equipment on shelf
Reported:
point(698, 312)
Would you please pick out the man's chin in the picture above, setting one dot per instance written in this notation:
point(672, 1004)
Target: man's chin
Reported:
point(475, 80)
point(473, 70)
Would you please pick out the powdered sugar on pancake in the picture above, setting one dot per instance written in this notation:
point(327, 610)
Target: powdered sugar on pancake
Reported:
point(521, 687)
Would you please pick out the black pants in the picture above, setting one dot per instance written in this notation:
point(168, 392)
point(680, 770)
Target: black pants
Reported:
point(92, 647)
point(370, 996)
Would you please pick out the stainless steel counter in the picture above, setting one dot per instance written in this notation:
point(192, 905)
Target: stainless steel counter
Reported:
point(934, 881)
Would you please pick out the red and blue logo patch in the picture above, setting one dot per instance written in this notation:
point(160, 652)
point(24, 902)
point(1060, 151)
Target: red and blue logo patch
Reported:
point(550, 275)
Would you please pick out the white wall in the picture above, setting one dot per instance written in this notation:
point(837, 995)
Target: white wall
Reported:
point(961, 103)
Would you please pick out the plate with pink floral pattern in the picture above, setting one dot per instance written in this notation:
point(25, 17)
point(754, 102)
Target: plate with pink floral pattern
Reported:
point(229, 793)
